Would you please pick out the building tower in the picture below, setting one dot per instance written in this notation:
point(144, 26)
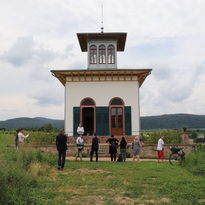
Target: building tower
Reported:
point(102, 97)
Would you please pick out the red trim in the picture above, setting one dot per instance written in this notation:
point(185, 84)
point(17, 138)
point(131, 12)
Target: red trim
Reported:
point(123, 115)
point(84, 106)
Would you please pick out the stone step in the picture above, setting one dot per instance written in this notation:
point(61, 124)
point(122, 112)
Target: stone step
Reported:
point(88, 139)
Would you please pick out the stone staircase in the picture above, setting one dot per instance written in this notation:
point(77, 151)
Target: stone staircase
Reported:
point(103, 149)
point(88, 139)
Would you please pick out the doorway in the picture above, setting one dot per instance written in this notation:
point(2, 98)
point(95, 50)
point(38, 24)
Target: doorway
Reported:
point(117, 116)
point(87, 116)
point(88, 120)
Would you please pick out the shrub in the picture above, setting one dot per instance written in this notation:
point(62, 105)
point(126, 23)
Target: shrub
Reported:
point(199, 140)
point(195, 161)
point(41, 138)
point(18, 181)
point(171, 136)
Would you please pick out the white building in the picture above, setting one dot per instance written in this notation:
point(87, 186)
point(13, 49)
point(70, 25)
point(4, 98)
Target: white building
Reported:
point(103, 98)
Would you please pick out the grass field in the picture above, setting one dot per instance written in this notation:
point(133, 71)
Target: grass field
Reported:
point(93, 183)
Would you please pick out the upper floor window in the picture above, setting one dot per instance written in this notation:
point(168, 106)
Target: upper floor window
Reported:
point(87, 101)
point(111, 54)
point(102, 54)
point(93, 54)
point(116, 101)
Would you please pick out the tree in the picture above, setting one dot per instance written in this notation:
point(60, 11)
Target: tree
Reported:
point(47, 127)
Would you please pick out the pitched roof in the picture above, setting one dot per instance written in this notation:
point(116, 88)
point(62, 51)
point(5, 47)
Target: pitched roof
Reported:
point(84, 37)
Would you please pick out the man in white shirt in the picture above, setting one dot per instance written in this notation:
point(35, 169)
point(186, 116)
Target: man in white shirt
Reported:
point(80, 130)
point(160, 149)
point(80, 145)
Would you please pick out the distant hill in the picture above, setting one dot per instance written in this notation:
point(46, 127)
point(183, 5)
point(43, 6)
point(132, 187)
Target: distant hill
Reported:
point(26, 122)
point(173, 121)
point(150, 122)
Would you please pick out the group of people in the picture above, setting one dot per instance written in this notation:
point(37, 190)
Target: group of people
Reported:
point(61, 143)
point(114, 144)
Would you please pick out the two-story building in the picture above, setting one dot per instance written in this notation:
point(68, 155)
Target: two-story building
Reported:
point(102, 97)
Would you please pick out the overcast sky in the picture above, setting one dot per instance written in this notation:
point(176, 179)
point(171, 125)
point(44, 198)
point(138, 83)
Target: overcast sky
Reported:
point(38, 36)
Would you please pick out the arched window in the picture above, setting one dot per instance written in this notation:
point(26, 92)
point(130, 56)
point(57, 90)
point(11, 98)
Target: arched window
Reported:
point(116, 101)
point(88, 101)
point(93, 54)
point(111, 54)
point(102, 54)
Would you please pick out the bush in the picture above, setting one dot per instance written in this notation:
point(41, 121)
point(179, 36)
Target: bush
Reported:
point(19, 168)
point(199, 140)
point(41, 138)
point(195, 161)
point(171, 136)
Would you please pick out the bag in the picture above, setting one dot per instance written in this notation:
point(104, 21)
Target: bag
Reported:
point(119, 158)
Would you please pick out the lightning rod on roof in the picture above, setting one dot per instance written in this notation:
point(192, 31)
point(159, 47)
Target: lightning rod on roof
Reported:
point(102, 18)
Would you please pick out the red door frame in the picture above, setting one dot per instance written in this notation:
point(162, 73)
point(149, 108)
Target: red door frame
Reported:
point(123, 111)
point(88, 106)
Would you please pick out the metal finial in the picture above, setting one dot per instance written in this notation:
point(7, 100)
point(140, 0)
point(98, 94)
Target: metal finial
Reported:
point(102, 18)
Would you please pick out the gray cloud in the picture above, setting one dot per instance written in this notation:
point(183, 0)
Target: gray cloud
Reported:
point(167, 36)
point(20, 52)
point(24, 51)
point(48, 100)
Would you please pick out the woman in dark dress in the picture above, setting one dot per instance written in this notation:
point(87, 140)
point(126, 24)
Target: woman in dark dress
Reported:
point(113, 147)
point(123, 146)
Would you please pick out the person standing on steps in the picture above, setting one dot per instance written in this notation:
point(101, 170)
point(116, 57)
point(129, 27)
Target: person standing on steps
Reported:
point(160, 149)
point(80, 130)
point(94, 147)
point(61, 144)
point(113, 147)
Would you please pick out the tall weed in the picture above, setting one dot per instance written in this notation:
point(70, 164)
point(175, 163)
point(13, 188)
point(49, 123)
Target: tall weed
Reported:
point(18, 175)
point(195, 161)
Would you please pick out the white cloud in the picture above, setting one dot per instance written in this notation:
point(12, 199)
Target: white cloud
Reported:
point(38, 36)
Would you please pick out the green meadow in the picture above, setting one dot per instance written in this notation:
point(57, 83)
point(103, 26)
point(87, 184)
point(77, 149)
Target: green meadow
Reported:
point(30, 177)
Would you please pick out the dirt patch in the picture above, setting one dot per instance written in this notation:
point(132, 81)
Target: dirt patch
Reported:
point(110, 177)
point(201, 200)
point(85, 170)
point(39, 169)
point(145, 185)
point(131, 201)
point(126, 182)
point(125, 200)
point(154, 201)
point(97, 200)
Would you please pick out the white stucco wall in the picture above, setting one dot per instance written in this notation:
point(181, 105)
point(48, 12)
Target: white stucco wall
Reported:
point(102, 93)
